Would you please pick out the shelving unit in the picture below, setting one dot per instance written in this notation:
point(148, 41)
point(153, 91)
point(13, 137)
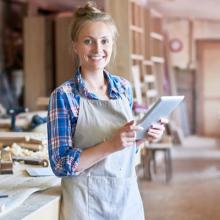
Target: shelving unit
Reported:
point(136, 34)
point(130, 49)
point(140, 44)
point(123, 64)
point(157, 48)
point(136, 26)
point(149, 78)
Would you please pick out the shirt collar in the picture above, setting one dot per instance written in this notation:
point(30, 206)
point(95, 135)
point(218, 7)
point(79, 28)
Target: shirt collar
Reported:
point(114, 88)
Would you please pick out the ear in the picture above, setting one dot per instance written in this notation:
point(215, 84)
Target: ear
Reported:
point(74, 47)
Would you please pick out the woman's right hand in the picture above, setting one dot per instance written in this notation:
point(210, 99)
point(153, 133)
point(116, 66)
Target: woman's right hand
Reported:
point(122, 138)
point(125, 136)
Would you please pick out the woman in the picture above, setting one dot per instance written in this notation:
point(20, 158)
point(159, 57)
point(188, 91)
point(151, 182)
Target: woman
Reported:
point(91, 132)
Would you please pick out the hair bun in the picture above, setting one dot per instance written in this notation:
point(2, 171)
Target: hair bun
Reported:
point(89, 8)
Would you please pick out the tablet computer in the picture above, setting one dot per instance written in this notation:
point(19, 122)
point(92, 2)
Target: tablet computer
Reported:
point(160, 109)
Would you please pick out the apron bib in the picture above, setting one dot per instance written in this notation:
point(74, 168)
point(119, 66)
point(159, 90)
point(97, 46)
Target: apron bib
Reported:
point(108, 190)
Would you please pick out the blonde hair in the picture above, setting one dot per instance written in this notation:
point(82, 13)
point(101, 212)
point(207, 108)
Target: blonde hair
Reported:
point(90, 12)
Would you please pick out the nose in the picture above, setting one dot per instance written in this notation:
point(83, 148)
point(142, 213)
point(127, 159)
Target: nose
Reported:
point(97, 46)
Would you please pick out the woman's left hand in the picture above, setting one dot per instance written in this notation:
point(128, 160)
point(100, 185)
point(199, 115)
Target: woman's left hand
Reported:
point(155, 132)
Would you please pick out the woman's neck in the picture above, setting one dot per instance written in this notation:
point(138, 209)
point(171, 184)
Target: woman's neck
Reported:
point(96, 83)
point(94, 80)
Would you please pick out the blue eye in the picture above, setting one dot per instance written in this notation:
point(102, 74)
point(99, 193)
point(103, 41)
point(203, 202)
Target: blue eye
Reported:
point(87, 41)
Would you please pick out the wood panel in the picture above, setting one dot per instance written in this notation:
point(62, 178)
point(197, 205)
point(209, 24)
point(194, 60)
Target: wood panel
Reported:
point(64, 59)
point(179, 29)
point(185, 85)
point(140, 43)
point(37, 59)
point(208, 112)
point(122, 64)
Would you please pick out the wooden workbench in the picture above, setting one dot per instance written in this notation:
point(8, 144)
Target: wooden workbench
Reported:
point(42, 196)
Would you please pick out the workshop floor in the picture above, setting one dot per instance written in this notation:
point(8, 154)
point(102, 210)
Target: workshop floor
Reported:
point(194, 191)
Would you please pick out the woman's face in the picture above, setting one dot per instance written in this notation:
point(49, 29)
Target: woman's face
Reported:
point(94, 46)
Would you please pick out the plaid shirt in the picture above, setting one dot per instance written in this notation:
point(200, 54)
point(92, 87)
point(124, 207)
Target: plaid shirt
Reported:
point(63, 113)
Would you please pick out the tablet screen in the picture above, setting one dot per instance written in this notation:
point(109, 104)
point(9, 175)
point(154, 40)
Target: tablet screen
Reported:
point(160, 109)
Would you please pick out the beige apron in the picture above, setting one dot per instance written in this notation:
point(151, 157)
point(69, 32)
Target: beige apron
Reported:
point(108, 190)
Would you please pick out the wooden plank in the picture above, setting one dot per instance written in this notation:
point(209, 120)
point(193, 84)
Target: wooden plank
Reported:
point(64, 57)
point(123, 63)
point(37, 59)
point(157, 59)
point(146, 15)
point(136, 29)
point(157, 36)
point(21, 137)
point(137, 57)
point(6, 163)
point(137, 84)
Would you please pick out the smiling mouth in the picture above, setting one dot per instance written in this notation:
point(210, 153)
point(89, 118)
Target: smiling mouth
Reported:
point(96, 57)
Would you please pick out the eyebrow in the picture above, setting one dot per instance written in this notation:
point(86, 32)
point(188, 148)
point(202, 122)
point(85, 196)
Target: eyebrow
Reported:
point(107, 36)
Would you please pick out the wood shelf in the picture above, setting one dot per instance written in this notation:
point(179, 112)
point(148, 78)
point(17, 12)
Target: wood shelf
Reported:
point(147, 63)
point(157, 36)
point(157, 59)
point(149, 78)
point(136, 28)
point(137, 57)
point(143, 41)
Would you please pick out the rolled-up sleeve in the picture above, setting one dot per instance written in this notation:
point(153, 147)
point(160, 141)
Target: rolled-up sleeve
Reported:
point(63, 155)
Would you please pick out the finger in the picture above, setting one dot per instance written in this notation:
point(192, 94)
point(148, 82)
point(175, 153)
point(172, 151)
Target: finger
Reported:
point(128, 141)
point(128, 135)
point(138, 128)
point(163, 120)
point(156, 131)
point(128, 126)
point(132, 127)
point(157, 126)
point(155, 136)
point(130, 123)
point(131, 134)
